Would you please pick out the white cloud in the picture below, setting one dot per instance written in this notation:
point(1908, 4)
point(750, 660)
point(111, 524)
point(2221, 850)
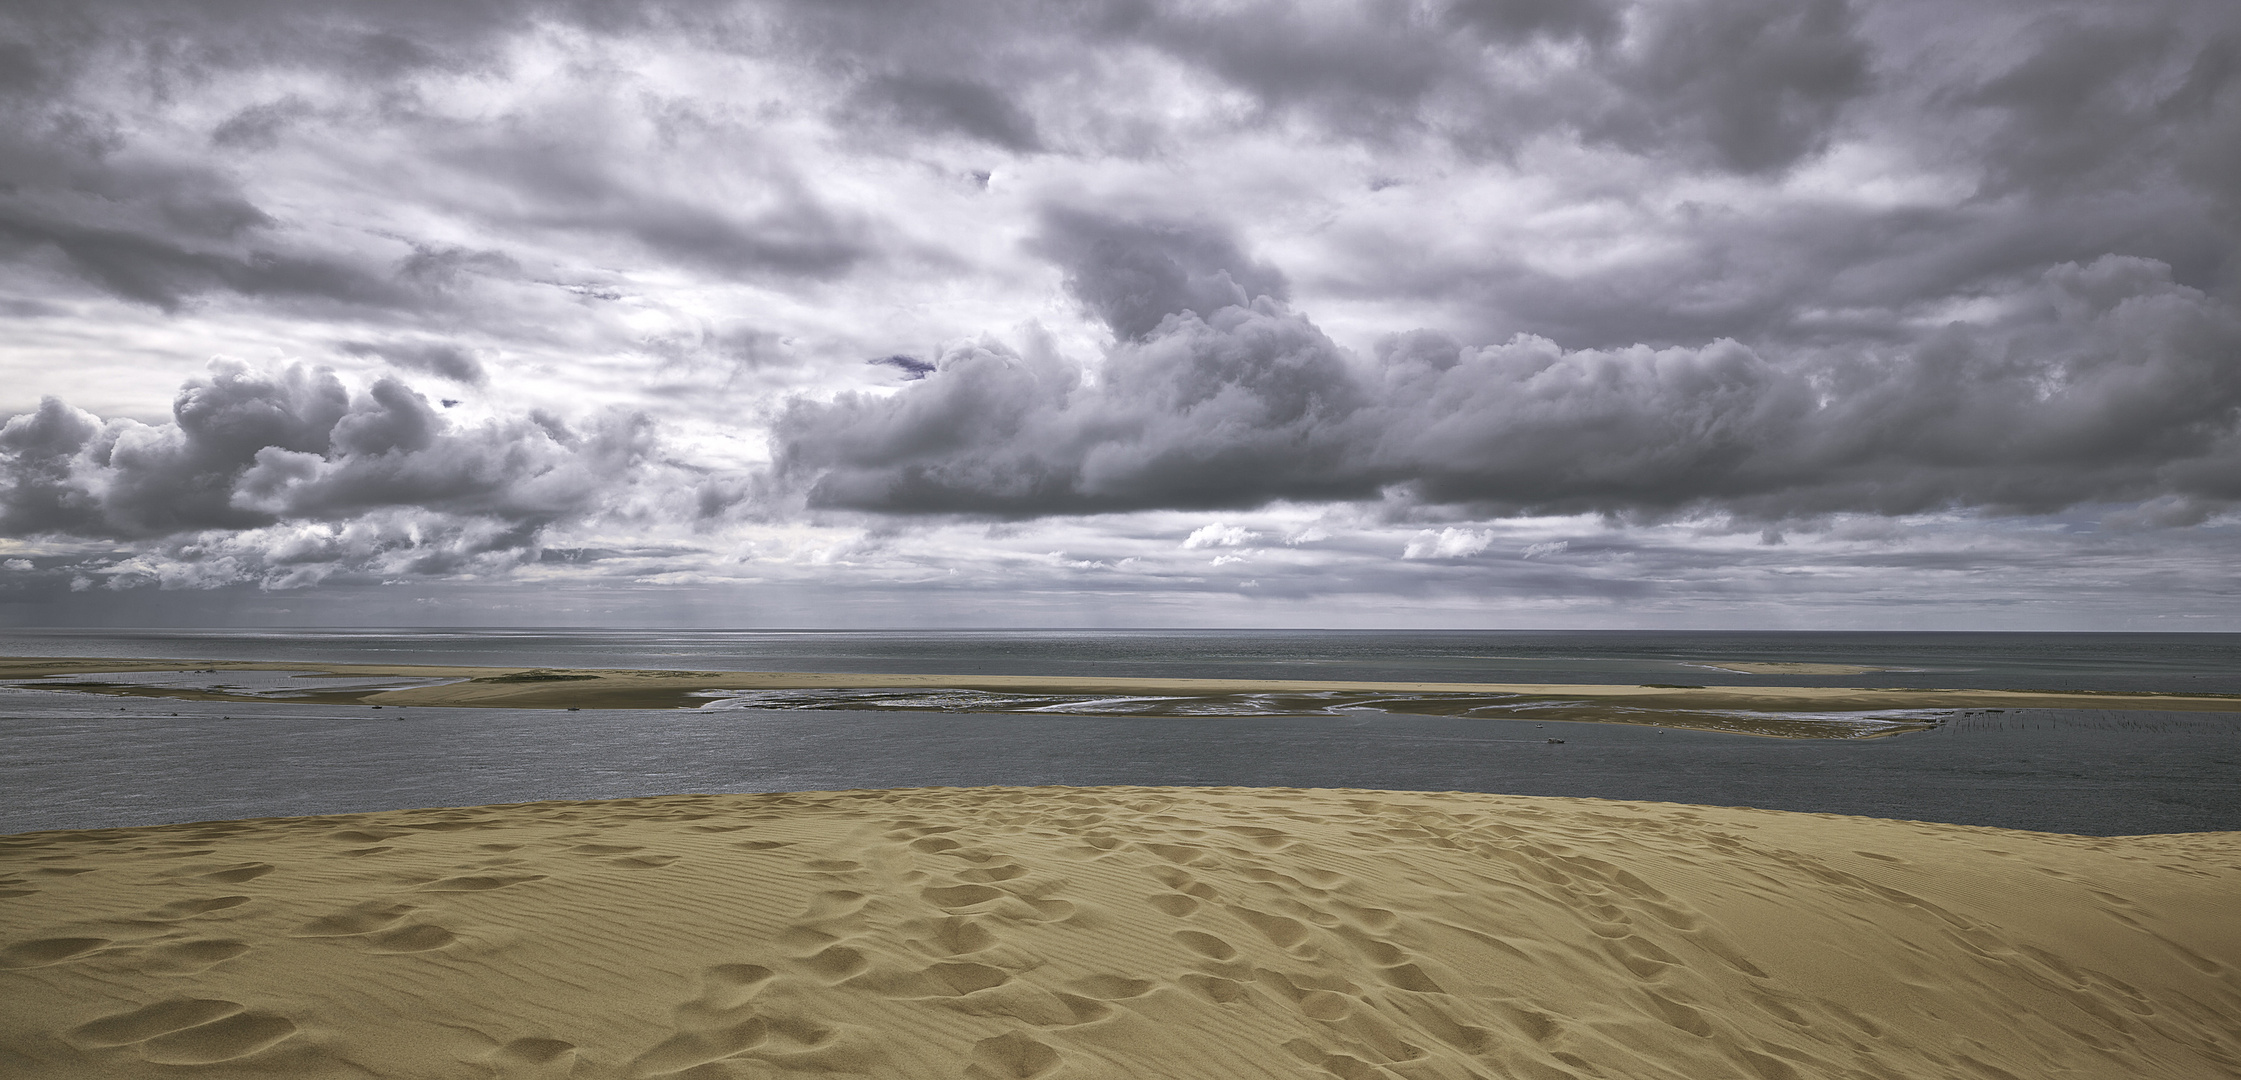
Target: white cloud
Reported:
point(1448, 543)
point(1220, 535)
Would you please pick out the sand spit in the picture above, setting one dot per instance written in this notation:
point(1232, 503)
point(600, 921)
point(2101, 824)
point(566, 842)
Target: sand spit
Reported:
point(1788, 667)
point(1783, 711)
point(1116, 932)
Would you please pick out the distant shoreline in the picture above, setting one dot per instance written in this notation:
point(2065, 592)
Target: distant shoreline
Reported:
point(1757, 710)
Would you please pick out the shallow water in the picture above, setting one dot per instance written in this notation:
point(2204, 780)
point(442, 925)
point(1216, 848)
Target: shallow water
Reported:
point(78, 761)
point(2193, 663)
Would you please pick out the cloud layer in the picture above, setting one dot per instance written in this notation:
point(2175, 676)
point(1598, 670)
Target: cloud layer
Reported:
point(2099, 383)
point(1519, 299)
point(288, 477)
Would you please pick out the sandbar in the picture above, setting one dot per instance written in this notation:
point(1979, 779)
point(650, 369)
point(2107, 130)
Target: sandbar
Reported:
point(1789, 667)
point(1115, 932)
point(1780, 711)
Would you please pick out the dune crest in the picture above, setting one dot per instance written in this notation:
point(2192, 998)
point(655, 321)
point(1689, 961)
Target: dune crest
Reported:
point(1054, 932)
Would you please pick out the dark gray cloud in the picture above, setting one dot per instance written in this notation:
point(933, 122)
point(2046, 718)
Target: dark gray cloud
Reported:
point(146, 230)
point(434, 357)
point(1791, 265)
point(258, 127)
point(1133, 274)
point(302, 473)
point(1756, 83)
point(946, 103)
point(912, 367)
point(2105, 382)
point(2090, 93)
point(1596, 22)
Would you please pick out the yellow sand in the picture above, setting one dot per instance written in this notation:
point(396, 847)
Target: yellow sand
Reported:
point(1118, 932)
point(1790, 667)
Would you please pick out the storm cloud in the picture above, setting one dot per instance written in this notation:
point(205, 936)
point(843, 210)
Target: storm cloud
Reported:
point(1471, 297)
point(2098, 383)
point(249, 451)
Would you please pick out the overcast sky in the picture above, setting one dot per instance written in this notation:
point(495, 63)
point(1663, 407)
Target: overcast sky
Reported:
point(1532, 313)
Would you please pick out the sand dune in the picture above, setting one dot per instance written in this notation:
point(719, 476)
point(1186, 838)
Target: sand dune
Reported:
point(1049, 932)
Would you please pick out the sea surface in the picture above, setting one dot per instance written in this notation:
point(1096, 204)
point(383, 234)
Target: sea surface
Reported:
point(78, 761)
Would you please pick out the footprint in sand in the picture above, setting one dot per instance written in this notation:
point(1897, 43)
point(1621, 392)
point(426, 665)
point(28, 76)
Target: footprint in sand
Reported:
point(956, 935)
point(534, 1059)
point(1215, 988)
point(149, 1021)
point(1185, 884)
point(1266, 839)
point(693, 1049)
point(817, 951)
point(1313, 1001)
point(479, 882)
point(717, 1024)
point(990, 874)
point(1182, 854)
point(45, 951)
point(416, 938)
point(964, 978)
point(187, 1031)
point(235, 875)
point(605, 849)
point(1285, 933)
point(835, 963)
point(354, 920)
point(189, 957)
point(725, 989)
point(1375, 918)
point(1375, 950)
point(234, 1037)
point(1206, 945)
point(952, 897)
point(367, 836)
point(1111, 987)
point(453, 825)
point(1409, 977)
point(1012, 1056)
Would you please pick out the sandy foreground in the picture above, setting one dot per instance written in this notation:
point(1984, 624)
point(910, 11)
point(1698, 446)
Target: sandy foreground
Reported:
point(1755, 710)
point(1116, 932)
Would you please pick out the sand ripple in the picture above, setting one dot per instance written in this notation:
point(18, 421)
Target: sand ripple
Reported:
point(1120, 932)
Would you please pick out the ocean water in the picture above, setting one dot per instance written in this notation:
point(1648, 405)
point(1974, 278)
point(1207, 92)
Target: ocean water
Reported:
point(76, 761)
point(2193, 663)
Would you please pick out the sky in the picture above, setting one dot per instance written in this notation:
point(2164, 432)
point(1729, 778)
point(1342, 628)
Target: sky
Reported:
point(1877, 314)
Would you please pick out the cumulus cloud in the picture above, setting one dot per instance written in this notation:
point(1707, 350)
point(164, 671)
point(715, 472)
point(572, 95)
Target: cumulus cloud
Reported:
point(288, 472)
point(1220, 535)
point(2101, 382)
point(1448, 543)
point(946, 103)
point(1362, 277)
point(1135, 274)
